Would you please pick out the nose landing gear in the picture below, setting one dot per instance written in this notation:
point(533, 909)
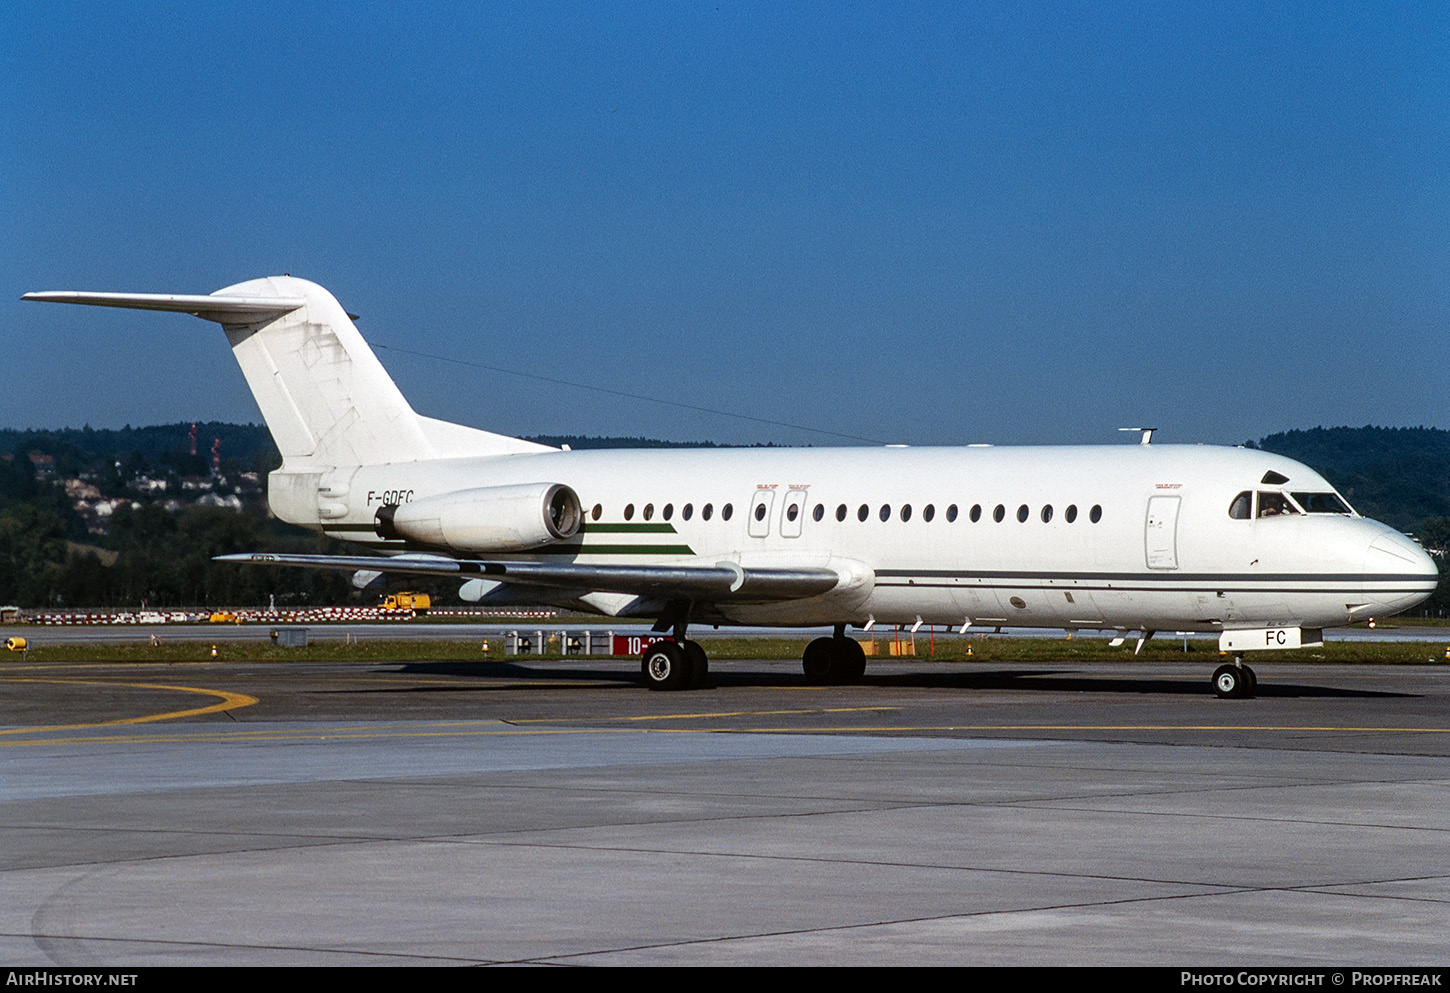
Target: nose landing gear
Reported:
point(1235, 681)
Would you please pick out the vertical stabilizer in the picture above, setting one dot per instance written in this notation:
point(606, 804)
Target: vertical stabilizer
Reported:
point(324, 394)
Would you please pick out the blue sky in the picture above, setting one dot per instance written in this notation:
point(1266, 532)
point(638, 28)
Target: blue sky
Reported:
point(931, 224)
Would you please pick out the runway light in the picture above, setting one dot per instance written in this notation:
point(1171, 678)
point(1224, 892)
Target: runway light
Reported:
point(213, 651)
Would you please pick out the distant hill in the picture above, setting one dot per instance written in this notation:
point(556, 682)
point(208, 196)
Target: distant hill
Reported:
point(50, 553)
point(249, 444)
point(1397, 475)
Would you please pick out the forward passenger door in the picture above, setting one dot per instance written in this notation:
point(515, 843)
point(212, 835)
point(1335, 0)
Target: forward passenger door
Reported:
point(1160, 532)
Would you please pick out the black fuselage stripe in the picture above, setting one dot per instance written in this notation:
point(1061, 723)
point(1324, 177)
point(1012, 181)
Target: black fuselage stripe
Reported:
point(1163, 577)
point(1156, 589)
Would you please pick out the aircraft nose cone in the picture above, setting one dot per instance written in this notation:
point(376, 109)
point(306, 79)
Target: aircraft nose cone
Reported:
point(1409, 572)
point(1394, 553)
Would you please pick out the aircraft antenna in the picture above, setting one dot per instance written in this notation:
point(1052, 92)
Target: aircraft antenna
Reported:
point(1147, 433)
point(622, 393)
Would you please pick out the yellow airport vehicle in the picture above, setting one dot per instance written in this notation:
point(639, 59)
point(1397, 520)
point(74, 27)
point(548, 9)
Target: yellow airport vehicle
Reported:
point(416, 602)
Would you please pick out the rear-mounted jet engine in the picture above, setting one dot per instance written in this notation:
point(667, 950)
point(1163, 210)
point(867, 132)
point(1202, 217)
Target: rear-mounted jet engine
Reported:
point(489, 519)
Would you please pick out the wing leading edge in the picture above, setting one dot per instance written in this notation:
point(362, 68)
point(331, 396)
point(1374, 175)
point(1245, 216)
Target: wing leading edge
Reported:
point(722, 582)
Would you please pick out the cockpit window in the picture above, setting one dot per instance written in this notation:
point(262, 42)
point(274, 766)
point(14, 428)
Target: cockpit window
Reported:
point(1272, 478)
point(1243, 506)
point(1322, 503)
point(1274, 504)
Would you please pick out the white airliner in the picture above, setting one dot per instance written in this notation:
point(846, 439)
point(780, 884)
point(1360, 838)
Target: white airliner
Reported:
point(1130, 538)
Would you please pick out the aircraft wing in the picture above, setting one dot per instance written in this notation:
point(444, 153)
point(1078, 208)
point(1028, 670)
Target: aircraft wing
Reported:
point(724, 581)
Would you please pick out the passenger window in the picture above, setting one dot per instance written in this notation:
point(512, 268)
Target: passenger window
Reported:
point(841, 512)
point(597, 512)
point(688, 512)
point(629, 511)
point(668, 512)
point(649, 511)
point(951, 513)
point(760, 512)
point(1243, 506)
point(819, 512)
point(726, 511)
point(976, 514)
point(927, 513)
point(1070, 513)
point(1096, 514)
point(1046, 513)
point(886, 511)
point(1022, 513)
point(706, 511)
point(791, 512)
point(905, 512)
point(863, 513)
point(999, 513)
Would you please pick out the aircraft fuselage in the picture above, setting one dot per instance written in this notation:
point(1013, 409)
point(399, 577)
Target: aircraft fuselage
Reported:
point(1130, 537)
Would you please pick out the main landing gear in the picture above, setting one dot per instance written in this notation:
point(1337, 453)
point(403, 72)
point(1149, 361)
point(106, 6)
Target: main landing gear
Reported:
point(674, 665)
point(837, 660)
point(680, 664)
point(1235, 681)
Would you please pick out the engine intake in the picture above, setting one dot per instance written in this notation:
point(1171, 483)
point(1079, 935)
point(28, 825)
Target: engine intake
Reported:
point(488, 519)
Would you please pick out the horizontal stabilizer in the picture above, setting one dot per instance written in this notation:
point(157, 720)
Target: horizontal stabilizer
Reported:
point(715, 584)
point(326, 398)
point(222, 309)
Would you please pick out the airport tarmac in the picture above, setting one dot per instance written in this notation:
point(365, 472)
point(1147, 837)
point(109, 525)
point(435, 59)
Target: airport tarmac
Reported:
point(554, 812)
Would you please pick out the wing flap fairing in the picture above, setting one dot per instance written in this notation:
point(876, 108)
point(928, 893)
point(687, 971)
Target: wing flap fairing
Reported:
point(718, 583)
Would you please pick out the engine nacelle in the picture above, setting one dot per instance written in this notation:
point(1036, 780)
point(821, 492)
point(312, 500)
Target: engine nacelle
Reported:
point(488, 519)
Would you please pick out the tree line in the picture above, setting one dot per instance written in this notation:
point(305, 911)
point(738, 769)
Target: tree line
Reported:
point(163, 557)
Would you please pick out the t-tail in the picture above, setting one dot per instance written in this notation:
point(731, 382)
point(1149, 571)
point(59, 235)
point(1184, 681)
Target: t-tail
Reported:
point(326, 398)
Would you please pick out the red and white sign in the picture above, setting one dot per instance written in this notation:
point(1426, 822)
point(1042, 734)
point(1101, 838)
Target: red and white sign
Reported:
point(635, 644)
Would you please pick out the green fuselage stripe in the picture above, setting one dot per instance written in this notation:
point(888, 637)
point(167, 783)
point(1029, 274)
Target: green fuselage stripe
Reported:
point(574, 549)
point(587, 526)
point(613, 550)
point(626, 528)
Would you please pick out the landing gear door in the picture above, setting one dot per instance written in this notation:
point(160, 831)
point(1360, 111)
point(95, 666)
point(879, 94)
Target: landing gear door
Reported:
point(760, 506)
point(1160, 533)
point(793, 513)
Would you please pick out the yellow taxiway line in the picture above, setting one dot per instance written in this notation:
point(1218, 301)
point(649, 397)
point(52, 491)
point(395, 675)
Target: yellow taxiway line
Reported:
point(229, 701)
